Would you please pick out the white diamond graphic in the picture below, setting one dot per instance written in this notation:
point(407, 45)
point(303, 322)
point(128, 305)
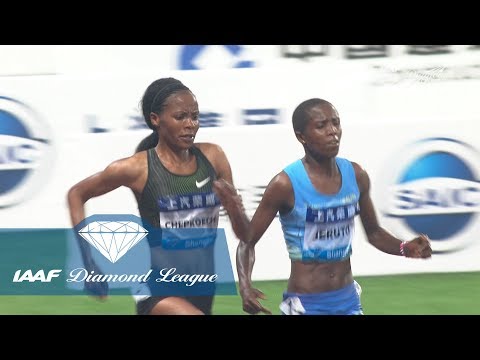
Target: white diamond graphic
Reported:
point(113, 238)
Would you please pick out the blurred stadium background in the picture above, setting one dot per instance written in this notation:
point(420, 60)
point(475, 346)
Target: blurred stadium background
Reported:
point(409, 116)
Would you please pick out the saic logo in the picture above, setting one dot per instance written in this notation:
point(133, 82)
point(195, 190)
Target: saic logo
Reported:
point(433, 188)
point(24, 151)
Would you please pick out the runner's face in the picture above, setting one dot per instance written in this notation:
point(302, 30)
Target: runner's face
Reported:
point(178, 123)
point(323, 131)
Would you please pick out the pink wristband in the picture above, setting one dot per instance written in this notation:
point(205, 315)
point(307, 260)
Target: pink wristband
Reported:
point(402, 248)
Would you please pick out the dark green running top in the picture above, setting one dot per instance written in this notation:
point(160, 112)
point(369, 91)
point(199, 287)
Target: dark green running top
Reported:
point(172, 201)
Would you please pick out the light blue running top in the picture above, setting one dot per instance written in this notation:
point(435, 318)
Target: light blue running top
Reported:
point(320, 227)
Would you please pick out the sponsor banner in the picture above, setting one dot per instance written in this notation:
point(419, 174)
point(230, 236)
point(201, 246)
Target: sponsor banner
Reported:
point(57, 130)
point(103, 59)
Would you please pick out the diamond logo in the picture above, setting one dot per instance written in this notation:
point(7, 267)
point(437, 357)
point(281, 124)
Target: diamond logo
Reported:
point(113, 238)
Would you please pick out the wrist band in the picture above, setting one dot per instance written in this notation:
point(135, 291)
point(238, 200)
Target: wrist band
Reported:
point(402, 248)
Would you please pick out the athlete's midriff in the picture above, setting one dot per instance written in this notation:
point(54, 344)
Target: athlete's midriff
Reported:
point(314, 277)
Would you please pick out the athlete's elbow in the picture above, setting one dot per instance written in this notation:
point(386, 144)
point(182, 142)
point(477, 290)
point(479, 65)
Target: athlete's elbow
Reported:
point(75, 196)
point(246, 243)
point(249, 238)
